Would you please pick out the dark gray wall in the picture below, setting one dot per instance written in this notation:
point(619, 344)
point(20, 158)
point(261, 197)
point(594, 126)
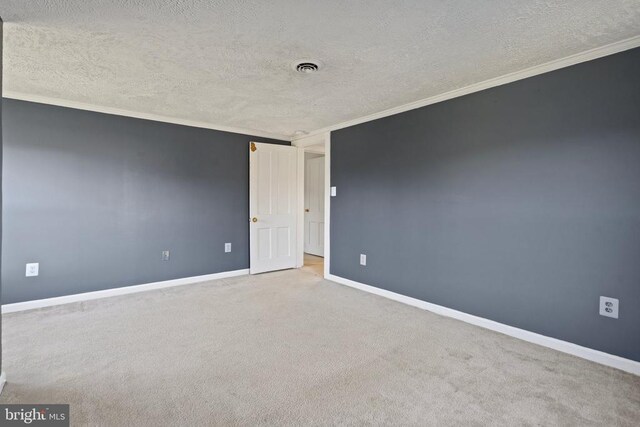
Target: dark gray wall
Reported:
point(1, 144)
point(520, 204)
point(96, 198)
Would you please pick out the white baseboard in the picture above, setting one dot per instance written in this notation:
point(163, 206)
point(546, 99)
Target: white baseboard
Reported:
point(29, 305)
point(566, 347)
point(3, 380)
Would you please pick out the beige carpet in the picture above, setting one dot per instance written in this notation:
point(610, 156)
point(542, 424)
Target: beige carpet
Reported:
point(290, 348)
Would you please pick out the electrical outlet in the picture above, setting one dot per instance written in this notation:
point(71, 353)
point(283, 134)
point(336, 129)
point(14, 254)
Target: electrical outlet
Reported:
point(609, 307)
point(33, 269)
point(363, 259)
point(333, 191)
point(165, 255)
point(227, 247)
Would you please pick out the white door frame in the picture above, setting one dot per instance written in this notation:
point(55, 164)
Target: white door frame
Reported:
point(302, 143)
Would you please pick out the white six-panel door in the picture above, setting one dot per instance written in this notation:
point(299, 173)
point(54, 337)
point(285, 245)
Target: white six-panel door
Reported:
point(272, 207)
point(314, 206)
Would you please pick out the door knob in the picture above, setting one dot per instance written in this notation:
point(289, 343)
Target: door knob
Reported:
point(306, 210)
point(254, 219)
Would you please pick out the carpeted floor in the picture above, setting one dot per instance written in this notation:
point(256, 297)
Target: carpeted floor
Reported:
point(290, 348)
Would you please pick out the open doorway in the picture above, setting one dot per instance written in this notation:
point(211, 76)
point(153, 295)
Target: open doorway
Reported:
point(314, 223)
point(313, 196)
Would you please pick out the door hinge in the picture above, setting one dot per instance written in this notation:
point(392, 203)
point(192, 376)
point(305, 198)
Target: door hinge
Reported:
point(253, 147)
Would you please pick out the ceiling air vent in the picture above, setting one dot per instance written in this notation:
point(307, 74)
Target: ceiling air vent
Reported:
point(306, 67)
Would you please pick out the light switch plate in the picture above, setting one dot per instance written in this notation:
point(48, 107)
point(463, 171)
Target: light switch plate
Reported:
point(363, 259)
point(33, 269)
point(609, 307)
point(227, 247)
point(333, 191)
point(166, 255)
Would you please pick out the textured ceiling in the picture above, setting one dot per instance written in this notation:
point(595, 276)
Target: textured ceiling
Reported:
point(228, 62)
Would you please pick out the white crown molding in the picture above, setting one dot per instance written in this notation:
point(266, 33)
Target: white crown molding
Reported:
point(590, 354)
point(557, 64)
point(568, 61)
point(137, 115)
point(86, 296)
